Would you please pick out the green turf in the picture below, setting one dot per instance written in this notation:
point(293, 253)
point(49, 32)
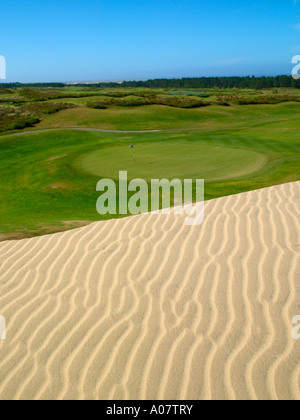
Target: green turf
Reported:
point(48, 179)
point(173, 159)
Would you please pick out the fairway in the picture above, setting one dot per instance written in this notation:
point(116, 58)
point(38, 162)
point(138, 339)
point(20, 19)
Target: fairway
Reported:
point(183, 160)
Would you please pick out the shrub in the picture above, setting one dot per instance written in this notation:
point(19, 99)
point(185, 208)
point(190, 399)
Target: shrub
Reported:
point(17, 118)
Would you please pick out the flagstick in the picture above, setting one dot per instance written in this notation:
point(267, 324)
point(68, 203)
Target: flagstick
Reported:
point(133, 154)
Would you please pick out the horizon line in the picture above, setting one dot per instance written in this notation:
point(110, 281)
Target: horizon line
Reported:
point(143, 80)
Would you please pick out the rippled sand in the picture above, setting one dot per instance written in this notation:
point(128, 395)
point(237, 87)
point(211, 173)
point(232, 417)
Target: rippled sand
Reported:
point(149, 308)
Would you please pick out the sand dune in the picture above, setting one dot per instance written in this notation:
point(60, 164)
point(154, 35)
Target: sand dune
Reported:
point(149, 308)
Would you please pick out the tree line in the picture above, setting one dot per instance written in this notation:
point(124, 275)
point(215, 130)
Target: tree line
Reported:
point(247, 82)
point(37, 85)
point(220, 82)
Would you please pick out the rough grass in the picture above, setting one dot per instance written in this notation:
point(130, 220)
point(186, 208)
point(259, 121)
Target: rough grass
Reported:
point(158, 117)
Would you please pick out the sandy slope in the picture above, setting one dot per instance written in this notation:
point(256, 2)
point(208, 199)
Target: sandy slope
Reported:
point(147, 307)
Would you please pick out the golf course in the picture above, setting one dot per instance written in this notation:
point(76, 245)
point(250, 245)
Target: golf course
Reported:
point(49, 170)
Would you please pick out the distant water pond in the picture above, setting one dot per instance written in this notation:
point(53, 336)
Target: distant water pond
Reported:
point(188, 93)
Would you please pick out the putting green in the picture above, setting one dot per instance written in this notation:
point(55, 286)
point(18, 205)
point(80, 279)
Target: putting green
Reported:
point(173, 159)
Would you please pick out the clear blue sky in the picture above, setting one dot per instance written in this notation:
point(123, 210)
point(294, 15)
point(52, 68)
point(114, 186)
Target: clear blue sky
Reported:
point(85, 40)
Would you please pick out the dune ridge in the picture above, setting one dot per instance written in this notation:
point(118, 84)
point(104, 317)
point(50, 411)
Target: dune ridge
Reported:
point(149, 308)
